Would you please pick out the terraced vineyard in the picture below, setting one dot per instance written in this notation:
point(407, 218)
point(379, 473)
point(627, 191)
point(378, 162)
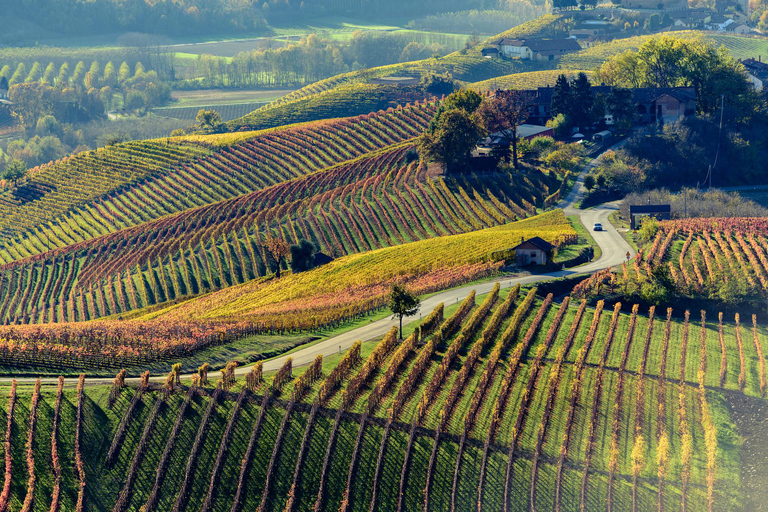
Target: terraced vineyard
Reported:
point(704, 258)
point(228, 111)
point(502, 402)
point(375, 201)
point(331, 294)
point(51, 189)
point(530, 80)
point(258, 161)
point(353, 92)
point(740, 47)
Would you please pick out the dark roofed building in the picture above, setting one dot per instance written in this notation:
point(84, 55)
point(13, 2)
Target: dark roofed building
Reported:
point(667, 104)
point(757, 68)
point(541, 100)
point(533, 251)
point(538, 49)
point(652, 103)
point(658, 211)
point(490, 52)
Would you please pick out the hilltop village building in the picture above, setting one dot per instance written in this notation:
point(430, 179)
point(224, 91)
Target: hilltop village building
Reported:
point(536, 49)
point(653, 104)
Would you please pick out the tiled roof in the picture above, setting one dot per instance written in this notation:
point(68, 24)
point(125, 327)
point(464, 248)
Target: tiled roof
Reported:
point(538, 242)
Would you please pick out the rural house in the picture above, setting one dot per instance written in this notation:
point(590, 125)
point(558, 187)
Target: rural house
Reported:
point(738, 28)
point(533, 251)
point(499, 140)
point(538, 49)
point(667, 104)
point(652, 103)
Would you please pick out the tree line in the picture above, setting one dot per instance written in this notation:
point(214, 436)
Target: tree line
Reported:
point(195, 17)
point(309, 60)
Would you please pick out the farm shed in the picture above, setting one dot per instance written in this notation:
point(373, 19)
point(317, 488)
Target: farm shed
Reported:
point(533, 251)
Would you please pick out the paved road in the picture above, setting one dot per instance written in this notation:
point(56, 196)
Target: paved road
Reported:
point(614, 250)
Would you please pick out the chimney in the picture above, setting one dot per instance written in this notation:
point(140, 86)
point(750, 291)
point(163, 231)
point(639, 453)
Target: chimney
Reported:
point(522, 239)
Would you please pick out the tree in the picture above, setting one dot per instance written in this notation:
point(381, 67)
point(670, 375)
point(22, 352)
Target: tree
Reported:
point(437, 84)
point(762, 25)
point(278, 249)
point(15, 170)
point(302, 256)
point(463, 99)
point(561, 96)
point(667, 61)
point(208, 119)
point(653, 23)
point(560, 125)
point(589, 182)
point(30, 101)
point(3, 83)
point(619, 104)
point(454, 137)
point(581, 101)
point(503, 114)
point(402, 303)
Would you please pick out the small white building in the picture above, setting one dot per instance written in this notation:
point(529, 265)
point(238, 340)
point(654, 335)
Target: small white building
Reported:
point(538, 49)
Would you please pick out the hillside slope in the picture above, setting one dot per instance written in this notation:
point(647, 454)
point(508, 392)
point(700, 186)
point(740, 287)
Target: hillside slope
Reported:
point(346, 288)
point(234, 164)
point(510, 402)
point(351, 92)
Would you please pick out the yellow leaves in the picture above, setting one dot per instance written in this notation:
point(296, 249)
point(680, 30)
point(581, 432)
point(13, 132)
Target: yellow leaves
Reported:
point(373, 267)
point(662, 454)
point(638, 454)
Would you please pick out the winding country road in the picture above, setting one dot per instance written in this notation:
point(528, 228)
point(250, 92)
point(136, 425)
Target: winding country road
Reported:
point(614, 251)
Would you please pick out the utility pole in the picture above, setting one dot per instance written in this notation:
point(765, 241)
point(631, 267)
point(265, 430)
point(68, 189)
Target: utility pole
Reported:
point(685, 203)
point(719, 133)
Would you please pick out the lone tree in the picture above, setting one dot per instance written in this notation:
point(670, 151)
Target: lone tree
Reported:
point(279, 250)
point(503, 114)
point(402, 303)
point(453, 139)
point(15, 170)
point(208, 119)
